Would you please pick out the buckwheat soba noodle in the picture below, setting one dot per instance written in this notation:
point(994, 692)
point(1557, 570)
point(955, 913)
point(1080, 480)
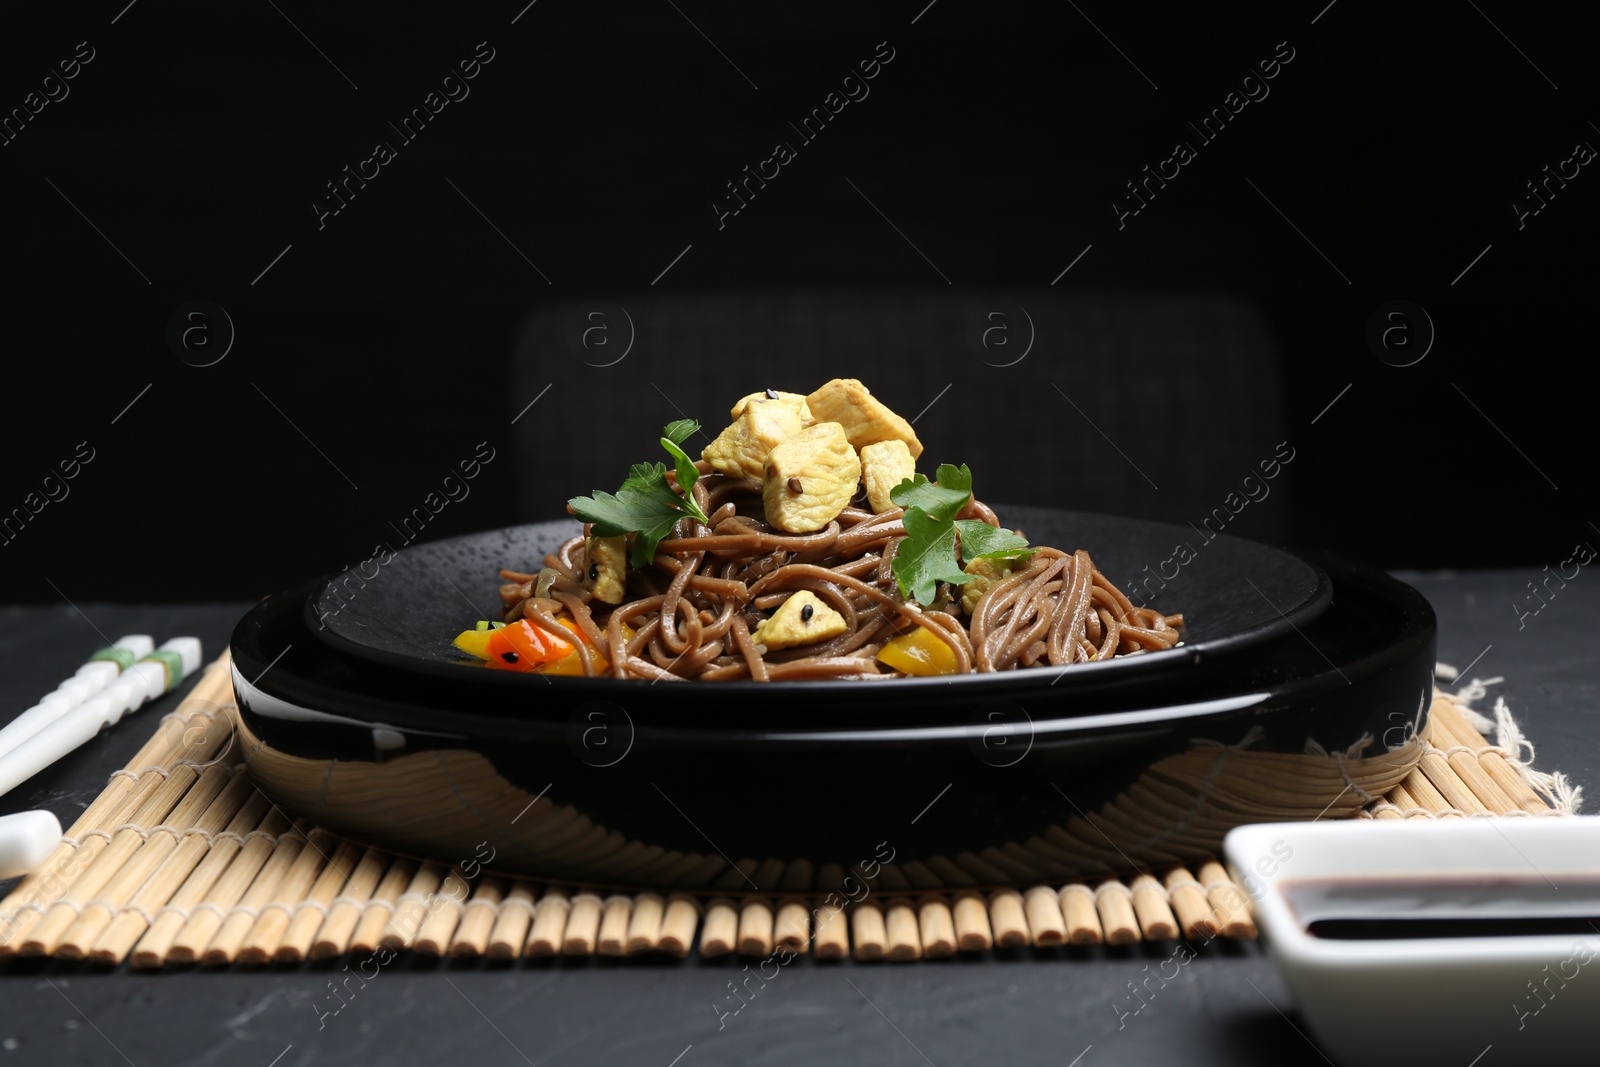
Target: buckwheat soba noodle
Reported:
point(709, 603)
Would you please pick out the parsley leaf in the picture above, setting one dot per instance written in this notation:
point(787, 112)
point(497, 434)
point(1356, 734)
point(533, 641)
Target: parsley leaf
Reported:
point(680, 430)
point(927, 556)
point(940, 501)
point(644, 476)
point(979, 540)
point(646, 504)
point(676, 434)
point(649, 514)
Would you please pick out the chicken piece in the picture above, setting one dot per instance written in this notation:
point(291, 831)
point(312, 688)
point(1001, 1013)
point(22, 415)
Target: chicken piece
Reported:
point(803, 619)
point(864, 417)
point(883, 466)
point(605, 561)
point(989, 573)
point(810, 478)
point(797, 400)
point(741, 450)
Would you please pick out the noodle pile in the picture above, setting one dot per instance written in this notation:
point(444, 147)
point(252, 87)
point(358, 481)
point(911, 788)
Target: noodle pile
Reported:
point(693, 608)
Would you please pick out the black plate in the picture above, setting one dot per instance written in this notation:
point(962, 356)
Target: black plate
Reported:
point(826, 771)
point(1235, 595)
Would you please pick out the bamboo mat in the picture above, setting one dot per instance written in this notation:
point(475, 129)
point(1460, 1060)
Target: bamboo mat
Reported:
point(183, 860)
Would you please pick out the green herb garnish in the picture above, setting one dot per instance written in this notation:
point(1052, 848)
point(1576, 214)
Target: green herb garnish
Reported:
point(929, 554)
point(646, 504)
point(979, 540)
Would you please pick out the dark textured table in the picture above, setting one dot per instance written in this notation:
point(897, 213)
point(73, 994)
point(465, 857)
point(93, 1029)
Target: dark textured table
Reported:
point(1058, 1006)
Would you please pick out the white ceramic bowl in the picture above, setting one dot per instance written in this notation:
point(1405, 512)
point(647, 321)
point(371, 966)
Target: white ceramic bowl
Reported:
point(1458, 1000)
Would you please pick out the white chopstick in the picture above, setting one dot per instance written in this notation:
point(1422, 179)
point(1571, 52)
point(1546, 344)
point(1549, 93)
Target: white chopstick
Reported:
point(100, 671)
point(145, 679)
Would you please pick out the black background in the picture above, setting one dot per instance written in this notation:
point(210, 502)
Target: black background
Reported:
point(198, 136)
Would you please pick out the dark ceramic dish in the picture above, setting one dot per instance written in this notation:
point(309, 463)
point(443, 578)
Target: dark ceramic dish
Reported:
point(976, 780)
point(1235, 594)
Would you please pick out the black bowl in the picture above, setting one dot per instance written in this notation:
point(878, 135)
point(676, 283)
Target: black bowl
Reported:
point(971, 781)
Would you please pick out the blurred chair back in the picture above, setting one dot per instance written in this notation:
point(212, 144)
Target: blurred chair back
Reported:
point(1152, 405)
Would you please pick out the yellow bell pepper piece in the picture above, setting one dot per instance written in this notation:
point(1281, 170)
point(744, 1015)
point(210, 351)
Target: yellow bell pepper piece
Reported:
point(474, 642)
point(919, 653)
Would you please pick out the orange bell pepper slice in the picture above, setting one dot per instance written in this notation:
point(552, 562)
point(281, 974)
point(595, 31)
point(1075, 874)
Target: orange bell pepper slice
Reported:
point(522, 646)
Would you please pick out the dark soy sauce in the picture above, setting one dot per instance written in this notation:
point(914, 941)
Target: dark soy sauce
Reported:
point(1492, 906)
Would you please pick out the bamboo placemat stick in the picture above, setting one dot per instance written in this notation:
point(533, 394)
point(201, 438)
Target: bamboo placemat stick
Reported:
point(275, 916)
point(719, 934)
point(1453, 732)
point(511, 926)
point(312, 913)
point(1114, 902)
point(126, 842)
point(236, 810)
point(97, 914)
point(411, 909)
point(971, 918)
point(477, 919)
point(1188, 900)
point(444, 912)
point(211, 691)
point(678, 925)
point(549, 923)
point(199, 888)
point(1439, 774)
point(1428, 797)
point(1075, 904)
point(755, 928)
point(644, 925)
point(1150, 905)
point(832, 937)
point(867, 930)
point(1495, 765)
point(937, 928)
point(73, 861)
point(1402, 798)
point(223, 946)
point(612, 939)
point(900, 926)
point(333, 937)
point(1228, 901)
point(1007, 918)
point(105, 811)
point(792, 928)
point(583, 925)
point(1042, 910)
point(369, 932)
